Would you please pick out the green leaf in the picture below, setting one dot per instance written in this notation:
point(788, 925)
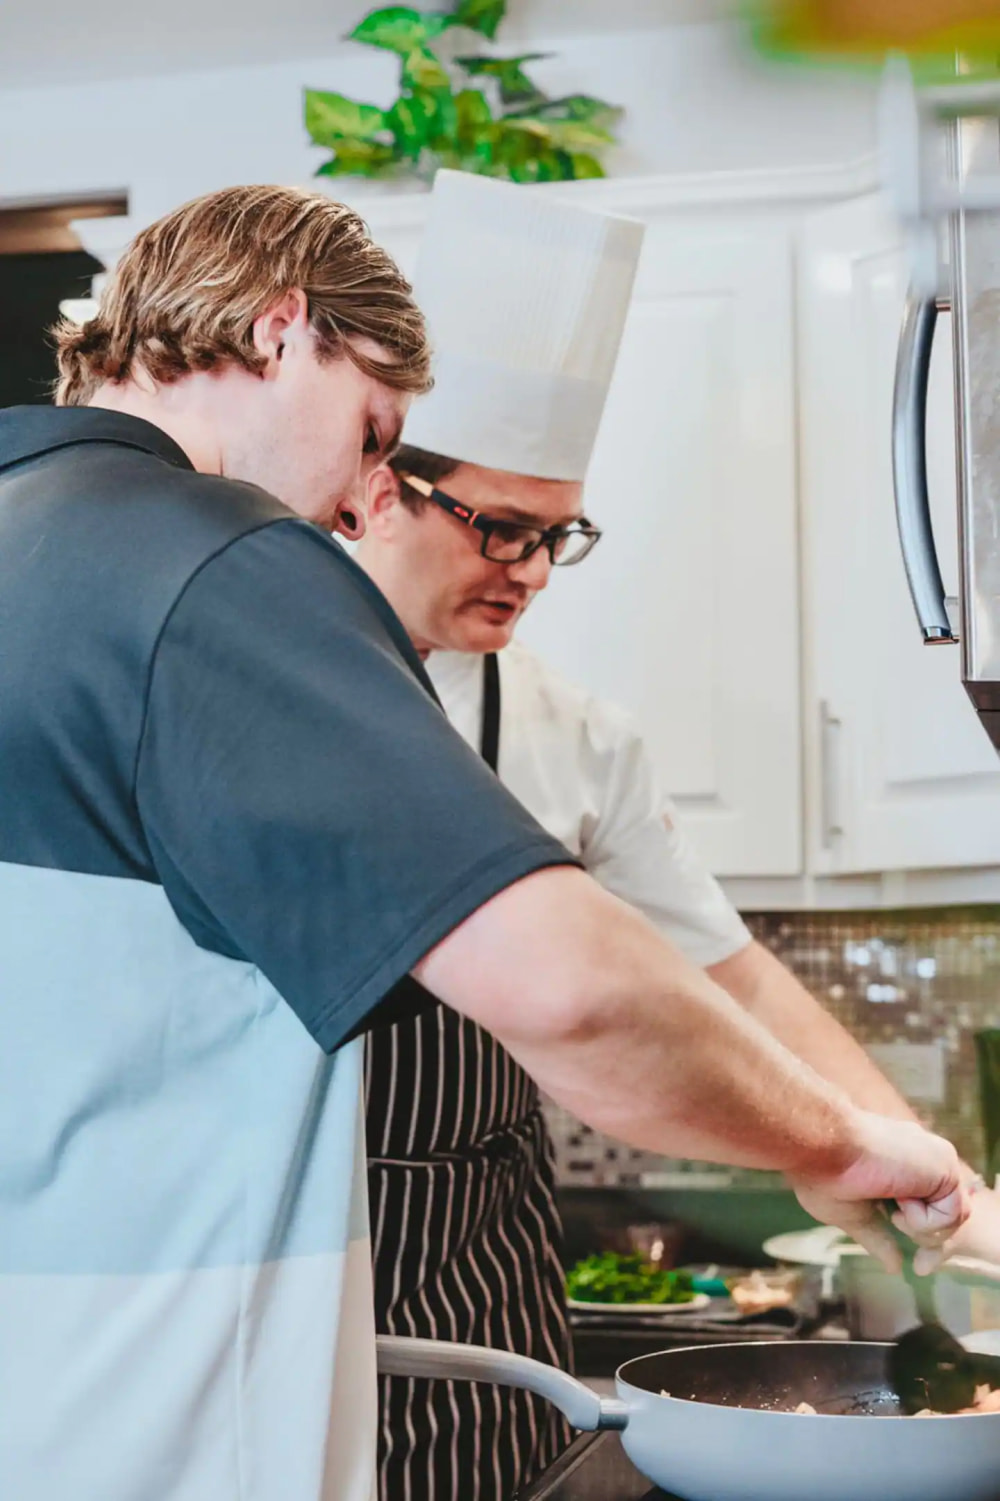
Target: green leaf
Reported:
point(528, 128)
point(550, 166)
point(473, 118)
point(567, 135)
point(421, 70)
point(584, 165)
point(515, 85)
point(514, 149)
point(573, 135)
point(437, 21)
point(582, 107)
point(444, 121)
point(360, 158)
point(475, 130)
point(330, 117)
point(411, 121)
point(535, 150)
point(398, 28)
point(483, 16)
point(421, 119)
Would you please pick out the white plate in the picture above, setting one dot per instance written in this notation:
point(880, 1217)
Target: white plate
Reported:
point(700, 1300)
point(823, 1246)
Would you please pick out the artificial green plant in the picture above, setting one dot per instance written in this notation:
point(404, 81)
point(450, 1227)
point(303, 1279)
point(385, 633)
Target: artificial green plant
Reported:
point(469, 110)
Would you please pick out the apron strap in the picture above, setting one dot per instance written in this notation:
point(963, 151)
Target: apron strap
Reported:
point(489, 745)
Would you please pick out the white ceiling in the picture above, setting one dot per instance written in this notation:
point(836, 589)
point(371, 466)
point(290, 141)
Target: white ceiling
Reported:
point(64, 41)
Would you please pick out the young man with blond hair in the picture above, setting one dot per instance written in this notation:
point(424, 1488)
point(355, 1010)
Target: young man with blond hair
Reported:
point(233, 818)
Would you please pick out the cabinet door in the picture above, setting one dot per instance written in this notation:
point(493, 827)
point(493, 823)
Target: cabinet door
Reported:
point(899, 772)
point(686, 614)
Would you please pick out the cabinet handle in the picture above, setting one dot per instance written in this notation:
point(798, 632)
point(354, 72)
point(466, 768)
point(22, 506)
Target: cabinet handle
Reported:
point(829, 752)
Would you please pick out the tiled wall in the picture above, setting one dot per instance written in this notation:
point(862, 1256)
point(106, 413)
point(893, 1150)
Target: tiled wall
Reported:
point(912, 986)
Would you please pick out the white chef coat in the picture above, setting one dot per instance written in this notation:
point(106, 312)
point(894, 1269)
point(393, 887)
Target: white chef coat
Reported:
point(580, 766)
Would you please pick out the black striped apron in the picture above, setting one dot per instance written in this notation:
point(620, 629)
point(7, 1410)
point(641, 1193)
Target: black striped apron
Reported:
point(467, 1243)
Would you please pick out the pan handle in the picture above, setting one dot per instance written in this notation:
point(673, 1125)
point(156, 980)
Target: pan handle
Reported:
point(398, 1356)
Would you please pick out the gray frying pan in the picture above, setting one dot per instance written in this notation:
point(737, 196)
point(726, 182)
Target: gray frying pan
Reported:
point(726, 1431)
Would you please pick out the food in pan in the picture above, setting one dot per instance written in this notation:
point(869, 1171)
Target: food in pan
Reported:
point(610, 1278)
point(986, 1400)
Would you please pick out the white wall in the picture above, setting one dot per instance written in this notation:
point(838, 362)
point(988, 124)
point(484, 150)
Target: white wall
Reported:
point(695, 102)
point(62, 41)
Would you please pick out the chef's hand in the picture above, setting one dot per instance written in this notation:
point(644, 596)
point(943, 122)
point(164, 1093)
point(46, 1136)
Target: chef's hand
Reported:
point(897, 1161)
point(979, 1237)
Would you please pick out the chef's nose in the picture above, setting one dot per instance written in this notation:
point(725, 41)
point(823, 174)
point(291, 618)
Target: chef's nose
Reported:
point(533, 572)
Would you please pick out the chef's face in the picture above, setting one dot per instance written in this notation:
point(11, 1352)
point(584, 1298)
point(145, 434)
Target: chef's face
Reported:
point(308, 429)
point(430, 565)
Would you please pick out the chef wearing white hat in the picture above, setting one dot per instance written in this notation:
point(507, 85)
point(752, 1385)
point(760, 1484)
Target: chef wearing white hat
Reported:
point(526, 298)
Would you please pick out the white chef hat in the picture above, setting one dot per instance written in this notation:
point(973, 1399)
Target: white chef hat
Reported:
point(525, 297)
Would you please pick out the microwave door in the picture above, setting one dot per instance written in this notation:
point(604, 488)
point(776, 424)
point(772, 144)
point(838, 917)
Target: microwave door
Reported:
point(974, 150)
point(975, 249)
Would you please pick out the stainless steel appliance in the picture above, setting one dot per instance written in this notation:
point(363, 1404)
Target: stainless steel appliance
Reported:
point(941, 150)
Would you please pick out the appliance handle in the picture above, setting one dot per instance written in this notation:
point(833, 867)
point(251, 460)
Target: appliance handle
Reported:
point(909, 468)
point(402, 1356)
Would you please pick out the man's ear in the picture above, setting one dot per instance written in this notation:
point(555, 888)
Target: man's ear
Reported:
point(284, 321)
point(349, 521)
point(382, 499)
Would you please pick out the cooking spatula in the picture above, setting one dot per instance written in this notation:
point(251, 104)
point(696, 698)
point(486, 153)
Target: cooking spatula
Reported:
point(927, 1366)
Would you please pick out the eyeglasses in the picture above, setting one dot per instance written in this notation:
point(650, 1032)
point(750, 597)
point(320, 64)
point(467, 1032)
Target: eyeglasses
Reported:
point(512, 541)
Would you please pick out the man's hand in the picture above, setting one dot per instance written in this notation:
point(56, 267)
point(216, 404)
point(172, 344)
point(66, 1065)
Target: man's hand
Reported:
point(978, 1237)
point(898, 1164)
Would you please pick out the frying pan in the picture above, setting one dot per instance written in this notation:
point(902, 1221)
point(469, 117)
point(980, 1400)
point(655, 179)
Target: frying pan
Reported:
point(726, 1432)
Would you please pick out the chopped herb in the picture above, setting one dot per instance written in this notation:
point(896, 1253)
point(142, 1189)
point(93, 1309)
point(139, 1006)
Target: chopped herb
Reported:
point(610, 1278)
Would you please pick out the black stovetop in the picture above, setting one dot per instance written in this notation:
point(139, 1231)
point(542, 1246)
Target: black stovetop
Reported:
point(594, 1468)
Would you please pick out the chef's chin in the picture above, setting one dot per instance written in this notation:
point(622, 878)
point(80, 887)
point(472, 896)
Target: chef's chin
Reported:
point(482, 629)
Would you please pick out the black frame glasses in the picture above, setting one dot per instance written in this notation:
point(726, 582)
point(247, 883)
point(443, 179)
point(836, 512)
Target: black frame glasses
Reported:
point(514, 541)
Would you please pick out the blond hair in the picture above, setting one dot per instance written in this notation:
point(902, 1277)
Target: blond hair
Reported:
point(185, 294)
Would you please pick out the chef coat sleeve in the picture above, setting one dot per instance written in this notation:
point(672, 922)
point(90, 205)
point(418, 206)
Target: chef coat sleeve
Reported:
point(307, 806)
point(634, 846)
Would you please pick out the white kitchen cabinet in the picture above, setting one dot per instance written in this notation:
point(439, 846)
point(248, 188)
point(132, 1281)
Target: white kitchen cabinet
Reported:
point(899, 773)
point(686, 613)
point(748, 602)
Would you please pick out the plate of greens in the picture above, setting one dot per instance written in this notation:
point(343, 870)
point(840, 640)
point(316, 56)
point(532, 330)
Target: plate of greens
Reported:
point(628, 1284)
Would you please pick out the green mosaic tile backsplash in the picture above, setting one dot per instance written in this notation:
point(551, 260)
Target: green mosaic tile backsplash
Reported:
point(913, 986)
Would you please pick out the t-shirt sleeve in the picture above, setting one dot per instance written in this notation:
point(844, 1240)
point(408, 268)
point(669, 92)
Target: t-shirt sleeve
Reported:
point(307, 806)
point(636, 848)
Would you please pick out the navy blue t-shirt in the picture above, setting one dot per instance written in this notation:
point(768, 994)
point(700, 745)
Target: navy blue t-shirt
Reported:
point(203, 691)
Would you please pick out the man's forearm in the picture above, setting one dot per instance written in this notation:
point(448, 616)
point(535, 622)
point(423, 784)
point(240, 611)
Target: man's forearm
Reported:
point(622, 1030)
point(773, 996)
